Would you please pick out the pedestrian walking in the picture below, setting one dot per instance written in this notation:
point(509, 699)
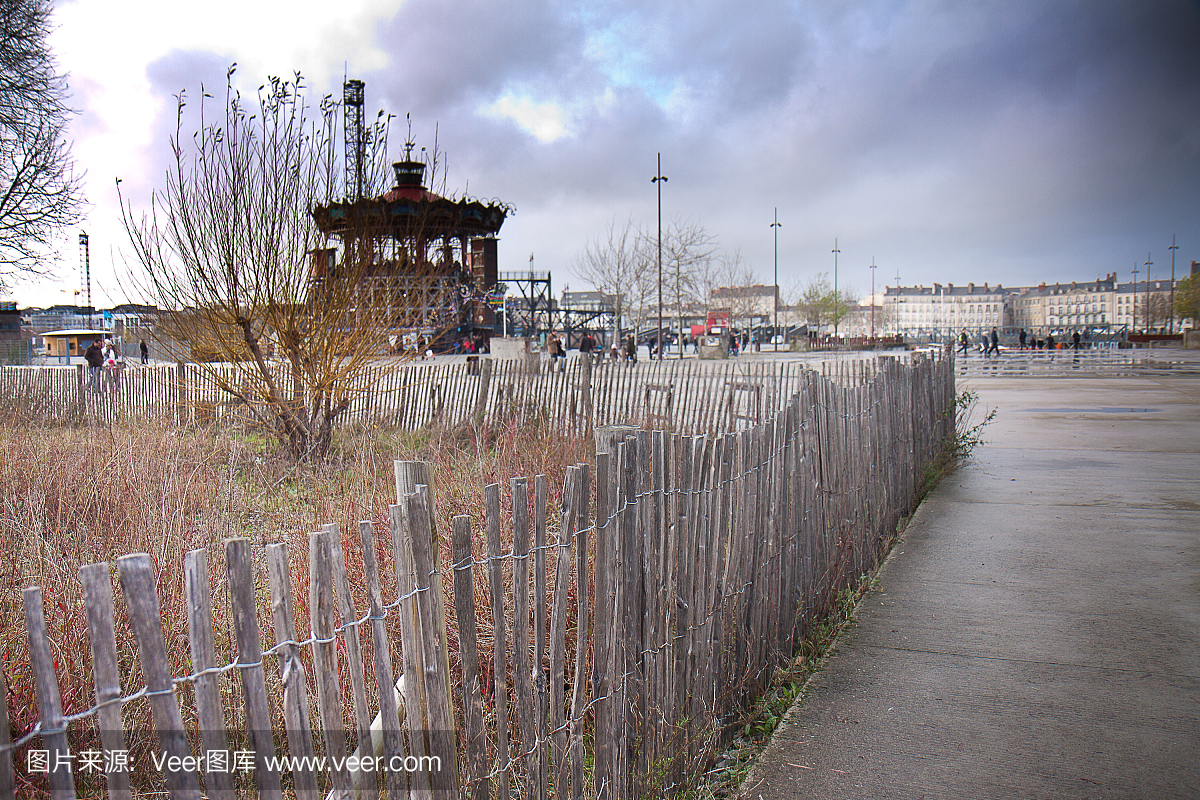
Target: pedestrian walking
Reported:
point(630, 348)
point(1023, 337)
point(1075, 340)
point(995, 343)
point(963, 342)
point(145, 352)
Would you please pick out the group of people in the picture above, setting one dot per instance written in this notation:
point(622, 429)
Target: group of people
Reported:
point(474, 344)
point(105, 359)
point(1033, 343)
point(989, 344)
point(624, 349)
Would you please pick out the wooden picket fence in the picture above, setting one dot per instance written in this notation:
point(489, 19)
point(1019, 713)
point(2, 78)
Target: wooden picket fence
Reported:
point(684, 570)
point(680, 395)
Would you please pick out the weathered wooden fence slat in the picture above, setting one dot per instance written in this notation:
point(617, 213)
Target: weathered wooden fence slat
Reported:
point(292, 675)
point(41, 662)
point(141, 596)
point(209, 714)
point(7, 778)
point(475, 780)
point(491, 504)
point(523, 666)
point(98, 598)
point(540, 490)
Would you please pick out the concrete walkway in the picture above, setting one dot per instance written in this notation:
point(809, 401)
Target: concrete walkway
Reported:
point(1036, 633)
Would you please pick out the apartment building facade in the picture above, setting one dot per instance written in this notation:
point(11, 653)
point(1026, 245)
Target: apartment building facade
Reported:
point(1101, 306)
point(937, 310)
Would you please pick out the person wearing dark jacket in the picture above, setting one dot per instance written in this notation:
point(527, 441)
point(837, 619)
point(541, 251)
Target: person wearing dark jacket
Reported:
point(94, 356)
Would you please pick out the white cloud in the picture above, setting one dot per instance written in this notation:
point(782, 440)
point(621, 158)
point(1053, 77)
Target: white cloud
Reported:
point(544, 121)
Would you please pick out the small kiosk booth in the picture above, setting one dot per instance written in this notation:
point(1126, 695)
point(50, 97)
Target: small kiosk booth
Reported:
point(67, 346)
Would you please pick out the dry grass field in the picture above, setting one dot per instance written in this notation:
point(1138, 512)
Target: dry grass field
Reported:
point(70, 496)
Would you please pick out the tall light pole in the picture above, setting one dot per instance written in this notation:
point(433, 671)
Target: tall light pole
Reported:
point(836, 300)
point(1135, 274)
point(659, 179)
point(1171, 315)
point(86, 258)
point(1149, 264)
point(775, 288)
point(873, 268)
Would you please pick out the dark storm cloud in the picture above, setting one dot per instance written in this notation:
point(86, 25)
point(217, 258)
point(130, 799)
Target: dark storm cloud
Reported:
point(1035, 139)
point(445, 54)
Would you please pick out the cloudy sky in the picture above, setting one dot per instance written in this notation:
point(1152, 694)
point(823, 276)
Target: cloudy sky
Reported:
point(1004, 141)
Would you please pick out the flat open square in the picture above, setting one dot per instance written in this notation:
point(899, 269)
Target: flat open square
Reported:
point(1037, 630)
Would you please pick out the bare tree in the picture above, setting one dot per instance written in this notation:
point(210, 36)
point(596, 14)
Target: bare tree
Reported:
point(1154, 311)
point(39, 192)
point(734, 279)
point(614, 265)
point(688, 250)
point(232, 252)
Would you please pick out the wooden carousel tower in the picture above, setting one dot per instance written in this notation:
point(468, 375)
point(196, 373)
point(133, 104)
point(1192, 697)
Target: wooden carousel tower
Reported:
point(429, 260)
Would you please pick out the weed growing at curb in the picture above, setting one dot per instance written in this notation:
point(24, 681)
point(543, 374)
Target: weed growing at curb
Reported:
point(965, 436)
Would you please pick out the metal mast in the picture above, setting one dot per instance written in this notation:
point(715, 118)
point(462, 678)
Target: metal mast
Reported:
point(775, 288)
point(355, 139)
point(86, 262)
point(1135, 274)
point(837, 303)
point(1171, 314)
point(1149, 318)
point(873, 268)
point(659, 179)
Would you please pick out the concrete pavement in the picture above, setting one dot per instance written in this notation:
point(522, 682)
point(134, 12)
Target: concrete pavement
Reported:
point(1036, 632)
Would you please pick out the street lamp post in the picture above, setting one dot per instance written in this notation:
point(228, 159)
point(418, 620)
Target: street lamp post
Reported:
point(1135, 274)
point(1171, 314)
point(775, 288)
point(837, 303)
point(873, 268)
point(659, 179)
point(1149, 319)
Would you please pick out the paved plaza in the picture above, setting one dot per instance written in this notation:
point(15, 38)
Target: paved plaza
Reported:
point(1036, 632)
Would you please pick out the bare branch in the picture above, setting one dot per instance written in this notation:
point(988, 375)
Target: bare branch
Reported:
point(39, 192)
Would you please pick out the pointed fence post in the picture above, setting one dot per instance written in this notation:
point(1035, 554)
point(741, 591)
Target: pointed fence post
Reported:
point(98, 598)
point(141, 597)
point(41, 662)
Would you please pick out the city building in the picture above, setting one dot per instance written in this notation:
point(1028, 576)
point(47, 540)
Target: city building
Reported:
point(938, 311)
point(113, 320)
point(748, 305)
point(1060, 307)
point(1144, 306)
point(1103, 308)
